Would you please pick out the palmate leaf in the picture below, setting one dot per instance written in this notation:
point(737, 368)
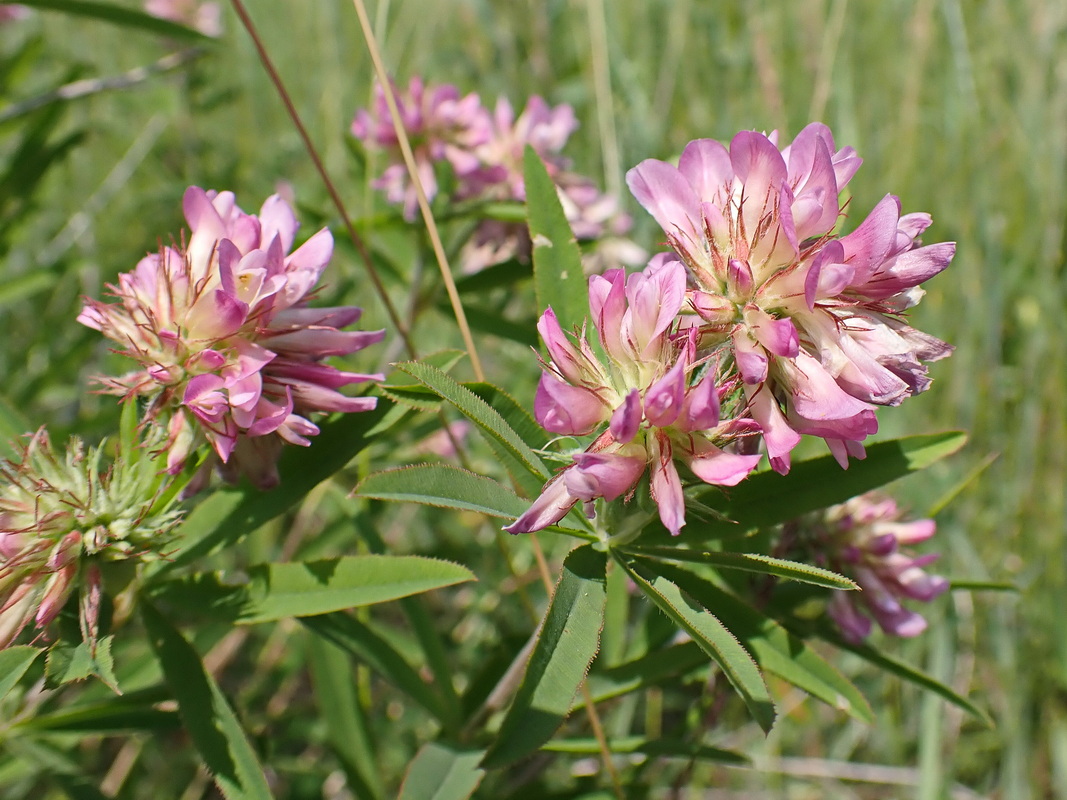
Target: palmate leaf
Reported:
point(751, 562)
point(713, 638)
point(565, 647)
point(558, 277)
point(300, 589)
point(229, 515)
point(443, 486)
point(769, 498)
point(775, 649)
point(441, 771)
point(208, 718)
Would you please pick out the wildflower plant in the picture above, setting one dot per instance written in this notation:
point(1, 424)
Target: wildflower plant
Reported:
point(648, 447)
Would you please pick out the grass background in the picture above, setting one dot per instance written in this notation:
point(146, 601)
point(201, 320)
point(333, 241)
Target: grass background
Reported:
point(959, 108)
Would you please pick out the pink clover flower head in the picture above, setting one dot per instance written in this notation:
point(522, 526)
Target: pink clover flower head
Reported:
point(226, 345)
point(205, 17)
point(814, 321)
point(61, 512)
point(440, 125)
point(869, 540)
point(652, 403)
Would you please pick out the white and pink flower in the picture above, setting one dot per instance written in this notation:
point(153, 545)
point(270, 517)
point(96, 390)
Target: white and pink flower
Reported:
point(814, 322)
point(223, 336)
point(658, 402)
point(868, 539)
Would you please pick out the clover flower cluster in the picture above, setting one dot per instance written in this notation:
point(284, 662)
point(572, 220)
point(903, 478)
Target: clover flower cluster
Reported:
point(868, 539)
point(226, 347)
point(61, 515)
point(760, 308)
point(814, 322)
point(484, 151)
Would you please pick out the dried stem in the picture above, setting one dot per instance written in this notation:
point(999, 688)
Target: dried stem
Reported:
point(420, 193)
point(357, 240)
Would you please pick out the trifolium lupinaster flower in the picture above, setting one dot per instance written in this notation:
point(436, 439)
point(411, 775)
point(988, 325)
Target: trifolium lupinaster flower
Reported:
point(63, 515)
point(868, 539)
point(659, 403)
point(484, 151)
point(814, 322)
point(226, 345)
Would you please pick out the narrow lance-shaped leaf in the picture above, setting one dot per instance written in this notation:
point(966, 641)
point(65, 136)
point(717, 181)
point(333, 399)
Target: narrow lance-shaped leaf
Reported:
point(443, 486)
point(211, 723)
point(442, 771)
point(558, 277)
point(713, 638)
point(769, 498)
point(229, 515)
point(119, 15)
point(488, 420)
point(301, 589)
point(346, 722)
point(659, 748)
point(906, 672)
point(775, 649)
point(752, 562)
point(560, 659)
point(377, 653)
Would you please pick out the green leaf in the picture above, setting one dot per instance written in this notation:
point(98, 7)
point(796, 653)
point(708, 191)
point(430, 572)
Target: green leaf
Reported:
point(906, 672)
point(769, 498)
point(119, 15)
point(348, 633)
point(558, 277)
point(775, 649)
point(443, 486)
point(346, 723)
point(67, 662)
point(134, 711)
point(751, 562)
point(713, 638)
point(442, 772)
point(488, 420)
point(658, 748)
point(14, 661)
point(967, 585)
point(566, 646)
point(208, 718)
point(229, 515)
point(669, 664)
point(304, 589)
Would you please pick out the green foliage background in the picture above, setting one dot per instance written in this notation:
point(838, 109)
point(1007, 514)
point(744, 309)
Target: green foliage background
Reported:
point(958, 108)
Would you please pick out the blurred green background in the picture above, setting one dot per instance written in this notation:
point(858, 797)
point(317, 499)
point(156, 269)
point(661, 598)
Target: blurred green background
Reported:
point(958, 108)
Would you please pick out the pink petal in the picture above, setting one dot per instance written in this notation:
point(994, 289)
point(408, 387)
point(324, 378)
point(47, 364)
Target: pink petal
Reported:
point(562, 408)
point(667, 487)
point(706, 166)
point(715, 466)
point(626, 419)
point(549, 508)
point(700, 411)
point(664, 399)
point(668, 197)
point(604, 475)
